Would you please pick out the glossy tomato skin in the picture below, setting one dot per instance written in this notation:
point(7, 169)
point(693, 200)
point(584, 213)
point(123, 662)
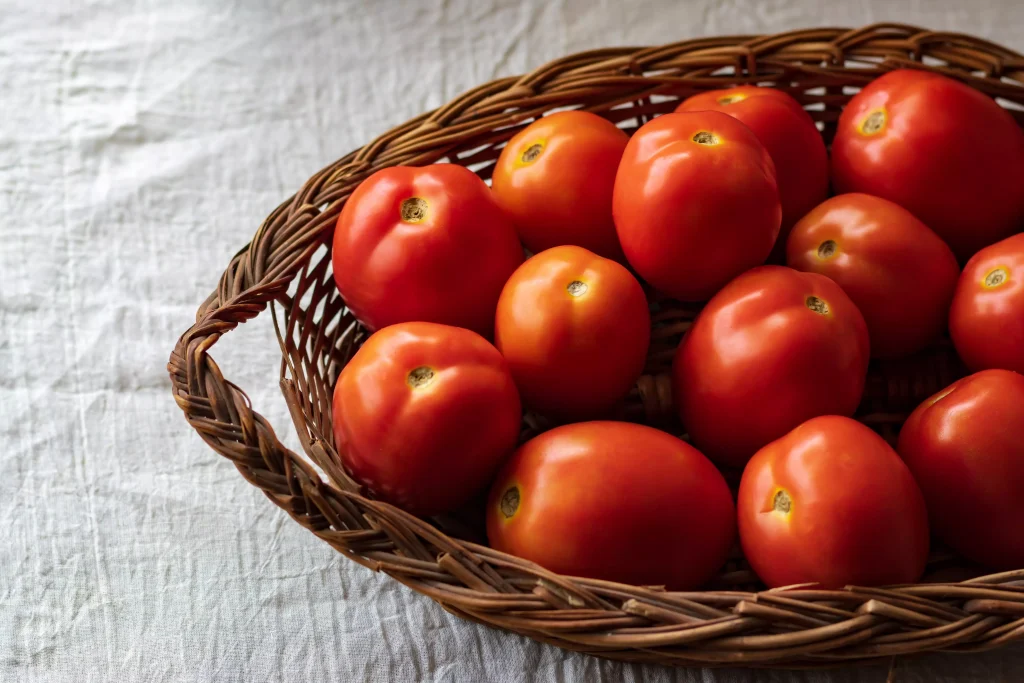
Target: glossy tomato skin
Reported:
point(695, 202)
point(424, 414)
point(832, 503)
point(774, 348)
point(574, 328)
point(554, 179)
point(874, 249)
point(938, 148)
point(427, 244)
point(986, 319)
point(964, 447)
point(615, 501)
point(791, 138)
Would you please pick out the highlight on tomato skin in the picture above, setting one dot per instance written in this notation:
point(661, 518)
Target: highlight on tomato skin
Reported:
point(424, 414)
point(788, 132)
point(986, 320)
point(832, 503)
point(575, 329)
point(898, 272)
point(424, 244)
point(615, 501)
point(554, 180)
point(965, 449)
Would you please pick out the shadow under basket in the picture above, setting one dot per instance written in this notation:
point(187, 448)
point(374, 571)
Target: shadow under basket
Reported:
point(735, 621)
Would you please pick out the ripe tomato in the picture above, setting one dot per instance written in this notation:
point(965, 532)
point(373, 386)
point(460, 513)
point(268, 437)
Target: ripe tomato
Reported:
point(964, 447)
point(695, 202)
point(939, 148)
point(832, 503)
point(791, 138)
point(986, 320)
point(775, 347)
point(424, 414)
point(424, 244)
point(574, 328)
point(615, 501)
point(900, 274)
point(555, 177)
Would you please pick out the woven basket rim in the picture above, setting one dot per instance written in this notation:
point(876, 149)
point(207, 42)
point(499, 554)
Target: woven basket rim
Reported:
point(797, 627)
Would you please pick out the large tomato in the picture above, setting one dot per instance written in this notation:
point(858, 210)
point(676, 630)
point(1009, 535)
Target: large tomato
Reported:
point(986, 320)
point(695, 202)
point(574, 328)
point(965, 449)
point(424, 414)
point(791, 138)
point(832, 503)
point(615, 501)
point(424, 244)
point(775, 347)
point(900, 274)
point(555, 178)
point(939, 148)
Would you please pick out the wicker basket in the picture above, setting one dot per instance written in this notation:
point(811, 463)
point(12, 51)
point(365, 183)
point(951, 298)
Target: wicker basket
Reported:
point(735, 622)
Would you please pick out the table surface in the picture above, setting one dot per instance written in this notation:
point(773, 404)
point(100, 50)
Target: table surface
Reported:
point(141, 144)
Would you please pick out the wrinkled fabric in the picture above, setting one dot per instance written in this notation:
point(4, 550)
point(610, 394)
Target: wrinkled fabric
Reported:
point(141, 144)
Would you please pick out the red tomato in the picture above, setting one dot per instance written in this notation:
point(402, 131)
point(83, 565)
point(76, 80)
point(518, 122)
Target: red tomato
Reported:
point(897, 271)
point(695, 202)
point(791, 138)
point(986, 320)
point(965, 449)
point(424, 414)
point(939, 148)
point(574, 328)
point(775, 347)
point(555, 178)
point(615, 501)
point(424, 244)
point(832, 503)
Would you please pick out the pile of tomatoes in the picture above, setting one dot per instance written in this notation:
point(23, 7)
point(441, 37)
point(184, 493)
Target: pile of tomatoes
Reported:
point(928, 175)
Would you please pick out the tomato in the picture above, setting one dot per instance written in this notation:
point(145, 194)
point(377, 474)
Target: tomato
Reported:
point(775, 347)
point(695, 202)
point(986, 319)
point(424, 414)
point(426, 244)
point(939, 148)
point(555, 178)
point(791, 138)
point(831, 503)
point(615, 501)
point(964, 447)
point(900, 274)
point(574, 328)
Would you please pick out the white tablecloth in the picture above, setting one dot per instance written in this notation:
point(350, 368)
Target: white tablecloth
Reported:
point(141, 144)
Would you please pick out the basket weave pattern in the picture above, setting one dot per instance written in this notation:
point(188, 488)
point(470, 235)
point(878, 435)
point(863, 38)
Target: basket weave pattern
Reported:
point(287, 264)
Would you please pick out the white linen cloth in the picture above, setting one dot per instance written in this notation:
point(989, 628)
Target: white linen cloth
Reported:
point(141, 144)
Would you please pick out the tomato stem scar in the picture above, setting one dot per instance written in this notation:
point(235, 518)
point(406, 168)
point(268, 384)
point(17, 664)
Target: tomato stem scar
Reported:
point(531, 153)
point(873, 122)
point(577, 288)
point(420, 377)
point(510, 501)
point(705, 138)
point(996, 277)
point(817, 305)
point(782, 502)
point(827, 249)
point(729, 99)
point(414, 210)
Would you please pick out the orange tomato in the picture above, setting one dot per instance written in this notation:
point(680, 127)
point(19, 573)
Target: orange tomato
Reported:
point(986, 320)
point(775, 347)
point(939, 148)
point(424, 414)
point(574, 328)
point(900, 274)
point(832, 503)
point(695, 202)
point(555, 177)
point(791, 138)
point(426, 244)
point(964, 447)
point(615, 501)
